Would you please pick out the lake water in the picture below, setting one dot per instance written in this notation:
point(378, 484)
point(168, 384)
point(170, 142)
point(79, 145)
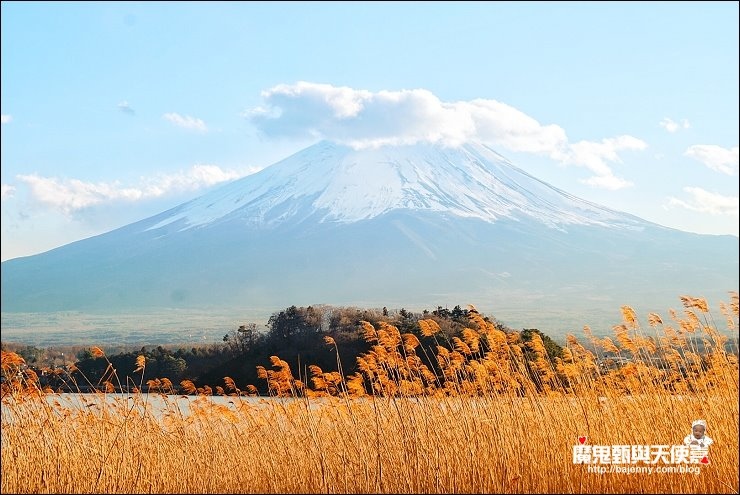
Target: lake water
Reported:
point(157, 404)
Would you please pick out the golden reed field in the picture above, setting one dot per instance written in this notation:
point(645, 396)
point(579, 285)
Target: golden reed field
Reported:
point(487, 419)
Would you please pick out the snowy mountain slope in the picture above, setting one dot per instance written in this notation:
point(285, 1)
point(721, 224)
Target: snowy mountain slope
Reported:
point(345, 185)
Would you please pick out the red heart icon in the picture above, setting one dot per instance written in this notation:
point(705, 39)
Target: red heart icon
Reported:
point(582, 440)
point(705, 460)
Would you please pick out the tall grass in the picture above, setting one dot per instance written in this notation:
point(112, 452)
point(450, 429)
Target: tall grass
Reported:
point(485, 420)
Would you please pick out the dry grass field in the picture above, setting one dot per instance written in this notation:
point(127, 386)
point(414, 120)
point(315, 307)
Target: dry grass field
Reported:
point(487, 419)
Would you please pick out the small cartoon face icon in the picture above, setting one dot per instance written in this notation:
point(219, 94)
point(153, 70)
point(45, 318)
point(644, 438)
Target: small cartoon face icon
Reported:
point(698, 431)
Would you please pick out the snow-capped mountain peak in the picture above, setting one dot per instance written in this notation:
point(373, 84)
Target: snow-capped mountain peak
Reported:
point(341, 184)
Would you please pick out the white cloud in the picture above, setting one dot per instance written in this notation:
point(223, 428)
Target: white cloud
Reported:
point(361, 118)
point(595, 156)
point(671, 126)
point(71, 195)
point(7, 191)
point(715, 157)
point(506, 126)
point(126, 108)
point(6, 119)
point(186, 121)
point(707, 202)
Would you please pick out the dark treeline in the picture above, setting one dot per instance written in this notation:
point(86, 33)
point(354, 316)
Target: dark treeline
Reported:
point(295, 334)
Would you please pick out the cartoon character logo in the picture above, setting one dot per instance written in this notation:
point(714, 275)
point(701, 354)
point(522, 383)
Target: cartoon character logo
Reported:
point(698, 441)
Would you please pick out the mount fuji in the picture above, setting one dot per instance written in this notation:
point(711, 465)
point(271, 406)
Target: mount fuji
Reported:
point(406, 225)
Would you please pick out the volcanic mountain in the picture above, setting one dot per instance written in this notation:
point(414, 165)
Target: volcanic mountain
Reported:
point(409, 225)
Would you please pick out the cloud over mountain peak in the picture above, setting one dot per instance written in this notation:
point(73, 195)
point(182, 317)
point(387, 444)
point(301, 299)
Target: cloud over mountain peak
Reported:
point(364, 119)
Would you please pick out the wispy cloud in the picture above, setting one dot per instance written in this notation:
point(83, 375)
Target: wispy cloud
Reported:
point(361, 119)
point(671, 126)
point(6, 119)
point(595, 155)
point(607, 182)
point(7, 191)
point(71, 195)
point(186, 121)
point(126, 108)
point(715, 157)
point(707, 202)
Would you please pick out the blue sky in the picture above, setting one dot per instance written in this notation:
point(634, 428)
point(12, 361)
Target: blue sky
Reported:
point(112, 112)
